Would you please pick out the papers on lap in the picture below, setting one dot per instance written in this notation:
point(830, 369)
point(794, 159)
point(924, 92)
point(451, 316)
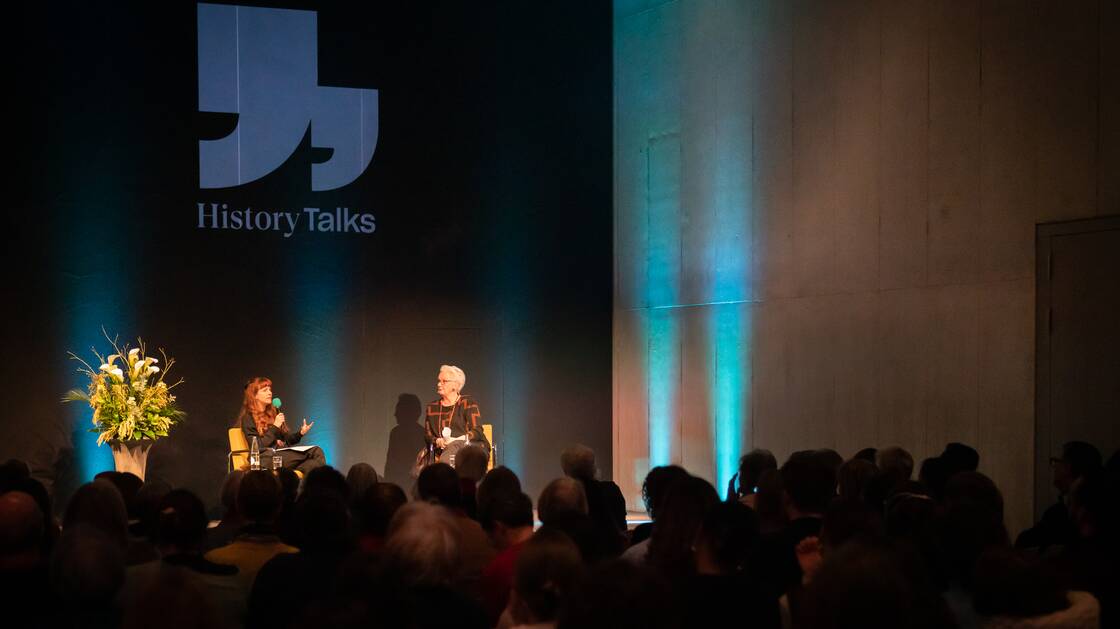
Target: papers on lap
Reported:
point(296, 448)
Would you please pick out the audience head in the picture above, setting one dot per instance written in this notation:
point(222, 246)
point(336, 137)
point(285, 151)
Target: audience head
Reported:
point(909, 513)
point(471, 462)
point(657, 481)
point(324, 522)
point(11, 472)
point(674, 534)
point(1078, 459)
point(768, 502)
point(35, 490)
point(375, 508)
point(148, 500)
point(258, 497)
point(98, 505)
point(960, 458)
point(915, 520)
point(22, 532)
point(423, 545)
point(361, 477)
point(182, 522)
point(561, 496)
point(830, 458)
point(934, 473)
point(809, 484)
point(972, 522)
point(897, 464)
point(727, 535)
point(289, 486)
point(547, 570)
point(326, 478)
point(578, 462)
point(751, 468)
point(846, 520)
point(229, 493)
point(128, 484)
point(508, 518)
point(867, 454)
point(862, 586)
point(853, 478)
point(439, 483)
point(499, 483)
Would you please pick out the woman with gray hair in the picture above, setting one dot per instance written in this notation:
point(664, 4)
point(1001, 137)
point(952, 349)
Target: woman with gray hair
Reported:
point(453, 421)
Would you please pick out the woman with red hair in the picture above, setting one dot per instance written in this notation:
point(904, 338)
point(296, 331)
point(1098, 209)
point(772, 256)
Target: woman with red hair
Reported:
point(261, 419)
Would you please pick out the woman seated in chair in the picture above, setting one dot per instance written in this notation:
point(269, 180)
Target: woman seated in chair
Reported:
point(261, 419)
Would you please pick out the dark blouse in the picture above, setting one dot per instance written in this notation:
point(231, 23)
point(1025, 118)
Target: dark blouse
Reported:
point(463, 418)
point(272, 438)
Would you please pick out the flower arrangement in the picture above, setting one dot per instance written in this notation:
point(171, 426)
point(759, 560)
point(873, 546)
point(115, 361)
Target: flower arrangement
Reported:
point(130, 401)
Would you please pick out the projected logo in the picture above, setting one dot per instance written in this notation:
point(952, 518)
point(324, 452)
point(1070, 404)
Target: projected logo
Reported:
point(262, 65)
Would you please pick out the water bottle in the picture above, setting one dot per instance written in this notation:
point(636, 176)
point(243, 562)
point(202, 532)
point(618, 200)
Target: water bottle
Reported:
point(254, 455)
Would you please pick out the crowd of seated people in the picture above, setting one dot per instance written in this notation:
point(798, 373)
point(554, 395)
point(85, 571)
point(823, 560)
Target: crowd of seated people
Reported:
point(815, 541)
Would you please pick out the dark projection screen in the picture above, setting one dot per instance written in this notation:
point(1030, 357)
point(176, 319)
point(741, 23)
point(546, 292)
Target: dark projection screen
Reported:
point(338, 196)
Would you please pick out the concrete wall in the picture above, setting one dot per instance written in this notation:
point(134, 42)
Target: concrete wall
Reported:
point(834, 202)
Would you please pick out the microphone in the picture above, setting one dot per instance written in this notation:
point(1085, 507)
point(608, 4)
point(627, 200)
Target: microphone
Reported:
point(276, 403)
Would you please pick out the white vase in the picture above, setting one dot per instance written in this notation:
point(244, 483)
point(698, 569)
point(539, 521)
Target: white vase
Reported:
point(132, 455)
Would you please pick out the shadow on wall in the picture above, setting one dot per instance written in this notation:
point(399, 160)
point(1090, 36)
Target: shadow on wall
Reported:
point(405, 440)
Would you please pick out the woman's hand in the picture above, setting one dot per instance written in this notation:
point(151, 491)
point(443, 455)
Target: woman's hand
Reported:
point(279, 421)
point(305, 427)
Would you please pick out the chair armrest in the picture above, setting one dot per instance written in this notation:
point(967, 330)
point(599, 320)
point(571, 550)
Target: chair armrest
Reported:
point(229, 458)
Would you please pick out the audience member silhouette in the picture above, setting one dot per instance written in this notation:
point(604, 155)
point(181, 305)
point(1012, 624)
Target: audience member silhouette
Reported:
point(653, 490)
point(547, 569)
point(812, 544)
point(439, 483)
point(751, 468)
point(373, 511)
point(605, 503)
point(499, 483)
point(359, 478)
point(258, 500)
point(1056, 528)
point(725, 591)
point(510, 527)
point(325, 534)
point(853, 478)
point(231, 521)
point(671, 548)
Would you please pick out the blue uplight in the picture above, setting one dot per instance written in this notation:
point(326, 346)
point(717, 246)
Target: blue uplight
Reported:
point(93, 289)
point(663, 199)
point(317, 336)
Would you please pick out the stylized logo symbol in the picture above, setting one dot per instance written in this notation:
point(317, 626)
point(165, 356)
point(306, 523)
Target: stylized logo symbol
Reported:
point(262, 64)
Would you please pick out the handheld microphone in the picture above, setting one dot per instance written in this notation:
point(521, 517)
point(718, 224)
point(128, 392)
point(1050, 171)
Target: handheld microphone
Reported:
point(276, 402)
